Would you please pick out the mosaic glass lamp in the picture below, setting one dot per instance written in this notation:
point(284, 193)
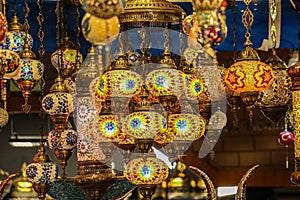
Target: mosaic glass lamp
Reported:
point(41, 173)
point(3, 26)
point(31, 71)
point(146, 173)
point(248, 76)
point(104, 9)
point(70, 56)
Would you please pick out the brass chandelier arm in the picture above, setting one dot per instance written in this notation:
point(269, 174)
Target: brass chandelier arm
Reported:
point(241, 191)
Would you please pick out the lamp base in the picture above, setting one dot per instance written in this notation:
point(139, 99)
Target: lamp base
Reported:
point(147, 190)
point(145, 145)
point(41, 190)
point(94, 178)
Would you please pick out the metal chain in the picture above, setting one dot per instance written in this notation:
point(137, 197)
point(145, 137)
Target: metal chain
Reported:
point(247, 19)
point(234, 33)
point(273, 15)
point(77, 30)
point(167, 38)
point(26, 12)
point(41, 33)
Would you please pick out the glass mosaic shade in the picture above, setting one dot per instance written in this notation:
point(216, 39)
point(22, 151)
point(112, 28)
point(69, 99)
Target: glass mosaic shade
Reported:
point(66, 140)
point(146, 171)
point(107, 127)
point(11, 62)
point(58, 103)
point(194, 87)
point(30, 70)
point(68, 58)
point(41, 173)
point(144, 125)
point(4, 116)
point(249, 76)
point(186, 126)
point(117, 83)
point(163, 82)
point(15, 41)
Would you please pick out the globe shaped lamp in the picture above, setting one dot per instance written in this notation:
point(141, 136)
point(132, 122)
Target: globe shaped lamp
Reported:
point(147, 173)
point(31, 71)
point(273, 101)
point(62, 144)
point(4, 116)
point(16, 36)
point(41, 173)
point(100, 31)
point(248, 76)
point(58, 104)
point(10, 63)
point(70, 57)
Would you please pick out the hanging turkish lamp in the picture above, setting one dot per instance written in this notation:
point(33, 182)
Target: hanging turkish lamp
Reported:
point(103, 9)
point(146, 173)
point(16, 35)
point(144, 124)
point(41, 173)
point(166, 81)
point(248, 76)
point(273, 101)
point(118, 84)
point(70, 57)
point(62, 143)
point(294, 73)
point(31, 71)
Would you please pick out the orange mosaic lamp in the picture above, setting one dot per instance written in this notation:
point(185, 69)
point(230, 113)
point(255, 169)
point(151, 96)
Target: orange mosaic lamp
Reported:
point(248, 76)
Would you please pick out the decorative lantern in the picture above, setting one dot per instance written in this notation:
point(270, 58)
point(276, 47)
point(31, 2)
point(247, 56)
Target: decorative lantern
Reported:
point(41, 173)
point(70, 56)
point(248, 76)
point(58, 104)
point(273, 101)
point(104, 9)
point(31, 70)
point(62, 144)
point(99, 31)
point(16, 36)
point(147, 173)
point(10, 63)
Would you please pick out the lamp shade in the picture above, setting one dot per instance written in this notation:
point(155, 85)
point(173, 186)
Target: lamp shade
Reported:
point(4, 116)
point(58, 103)
point(144, 125)
point(11, 63)
point(194, 86)
point(66, 140)
point(99, 31)
point(30, 69)
point(163, 82)
point(15, 41)
point(107, 127)
point(146, 171)
point(41, 173)
point(118, 83)
point(249, 76)
point(68, 58)
point(3, 26)
point(187, 127)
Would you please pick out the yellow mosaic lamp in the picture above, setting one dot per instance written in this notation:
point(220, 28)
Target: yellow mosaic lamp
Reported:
point(147, 173)
point(100, 31)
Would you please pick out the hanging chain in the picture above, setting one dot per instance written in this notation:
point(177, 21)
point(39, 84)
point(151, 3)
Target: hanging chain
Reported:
point(273, 15)
point(41, 33)
point(166, 38)
point(77, 32)
point(26, 24)
point(234, 33)
point(247, 19)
